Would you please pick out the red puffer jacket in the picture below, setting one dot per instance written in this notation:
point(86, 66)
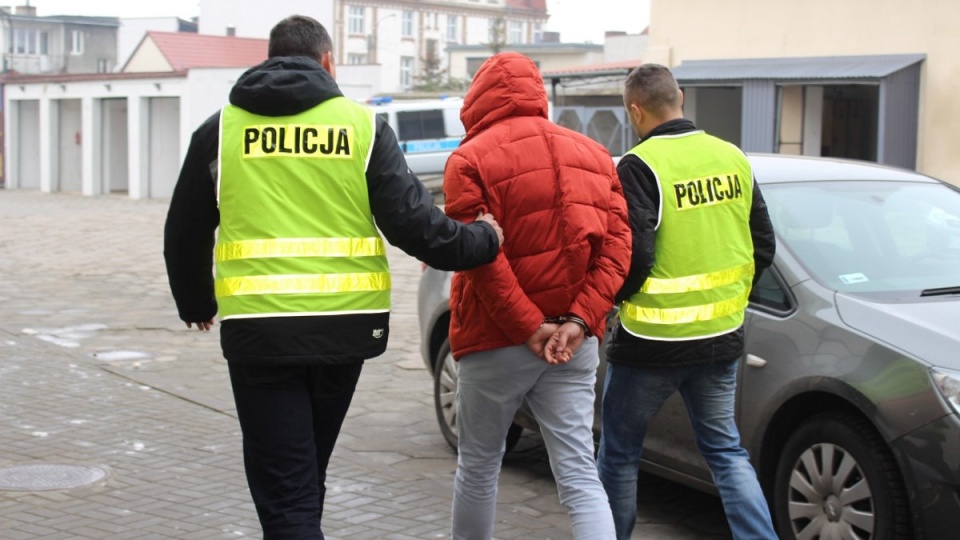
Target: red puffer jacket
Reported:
point(556, 195)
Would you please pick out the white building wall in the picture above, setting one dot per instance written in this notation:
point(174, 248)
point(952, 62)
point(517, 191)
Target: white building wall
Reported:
point(549, 62)
point(355, 44)
point(44, 114)
point(132, 30)
point(207, 90)
point(626, 47)
point(147, 59)
point(144, 155)
point(547, 58)
point(359, 82)
point(478, 30)
point(91, 148)
point(382, 41)
point(255, 19)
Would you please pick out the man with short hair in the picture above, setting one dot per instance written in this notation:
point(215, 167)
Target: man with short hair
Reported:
point(296, 179)
point(701, 236)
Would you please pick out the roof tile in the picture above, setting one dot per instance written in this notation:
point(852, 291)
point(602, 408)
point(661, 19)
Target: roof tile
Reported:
point(187, 50)
point(533, 5)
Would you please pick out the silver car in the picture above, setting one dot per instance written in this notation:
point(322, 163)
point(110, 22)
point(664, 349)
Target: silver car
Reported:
point(849, 390)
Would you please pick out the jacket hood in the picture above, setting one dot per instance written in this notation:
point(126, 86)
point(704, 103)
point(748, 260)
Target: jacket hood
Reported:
point(283, 86)
point(507, 85)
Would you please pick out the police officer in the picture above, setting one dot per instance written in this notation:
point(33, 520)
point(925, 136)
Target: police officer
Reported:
point(701, 234)
point(298, 179)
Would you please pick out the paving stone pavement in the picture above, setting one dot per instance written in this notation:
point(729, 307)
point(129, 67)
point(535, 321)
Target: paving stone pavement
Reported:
point(97, 371)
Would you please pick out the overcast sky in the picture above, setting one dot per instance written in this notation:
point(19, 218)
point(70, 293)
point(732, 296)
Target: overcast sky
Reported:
point(576, 20)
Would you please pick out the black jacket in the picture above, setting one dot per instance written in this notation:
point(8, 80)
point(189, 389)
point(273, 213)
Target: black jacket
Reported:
point(643, 205)
point(402, 208)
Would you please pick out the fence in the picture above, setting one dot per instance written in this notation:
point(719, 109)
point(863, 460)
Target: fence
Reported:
point(607, 125)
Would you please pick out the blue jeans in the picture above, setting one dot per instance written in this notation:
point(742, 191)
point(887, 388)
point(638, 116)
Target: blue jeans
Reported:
point(633, 395)
point(290, 418)
point(491, 387)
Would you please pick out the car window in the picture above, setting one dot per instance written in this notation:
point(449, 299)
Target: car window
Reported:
point(409, 126)
point(769, 294)
point(872, 238)
point(418, 125)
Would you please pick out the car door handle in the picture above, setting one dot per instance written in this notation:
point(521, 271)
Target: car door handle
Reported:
point(755, 361)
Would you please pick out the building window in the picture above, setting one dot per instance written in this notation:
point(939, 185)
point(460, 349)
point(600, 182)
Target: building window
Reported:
point(76, 42)
point(357, 19)
point(103, 65)
point(20, 37)
point(516, 32)
point(451, 28)
point(474, 63)
point(31, 42)
point(406, 71)
point(356, 59)
point(406, 26)
point(538, 33)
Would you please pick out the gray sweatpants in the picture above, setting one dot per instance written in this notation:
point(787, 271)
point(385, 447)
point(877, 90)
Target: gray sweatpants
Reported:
point(491, 387)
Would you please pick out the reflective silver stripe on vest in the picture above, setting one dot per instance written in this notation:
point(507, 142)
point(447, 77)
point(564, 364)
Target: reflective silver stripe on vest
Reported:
point(300, 247)
point(698, 282)
point(303, 284)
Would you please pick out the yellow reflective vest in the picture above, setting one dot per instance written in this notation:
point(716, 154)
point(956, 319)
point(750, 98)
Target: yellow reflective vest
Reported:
point(296, 234)
point(703, 268)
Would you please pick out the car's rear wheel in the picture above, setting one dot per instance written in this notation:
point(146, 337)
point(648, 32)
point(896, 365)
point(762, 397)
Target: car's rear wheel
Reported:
point(836, 478)
point(445, 379)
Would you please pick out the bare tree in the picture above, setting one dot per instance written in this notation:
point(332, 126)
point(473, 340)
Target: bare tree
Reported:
point(498, 35)
point(434, 77)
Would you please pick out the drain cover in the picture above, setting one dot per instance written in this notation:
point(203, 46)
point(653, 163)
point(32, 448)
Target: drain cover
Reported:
point(48, 477)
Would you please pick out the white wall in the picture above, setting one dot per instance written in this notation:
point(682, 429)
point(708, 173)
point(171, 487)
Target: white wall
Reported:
point(478, 30)
point(35, 156)
point(207, 91)
point(131, 32)
point(623, 48)
point(255, 19)
point(148, 58)
point(359, 82)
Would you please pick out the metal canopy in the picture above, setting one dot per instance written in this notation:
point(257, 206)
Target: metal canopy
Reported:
point(807, 68)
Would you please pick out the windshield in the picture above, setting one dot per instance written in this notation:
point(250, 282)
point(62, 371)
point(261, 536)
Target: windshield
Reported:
point(871, 237)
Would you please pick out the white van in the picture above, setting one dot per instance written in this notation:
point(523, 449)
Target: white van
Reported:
point(428, 129)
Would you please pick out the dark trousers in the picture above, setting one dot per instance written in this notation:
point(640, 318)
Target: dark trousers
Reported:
point(290, 418)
